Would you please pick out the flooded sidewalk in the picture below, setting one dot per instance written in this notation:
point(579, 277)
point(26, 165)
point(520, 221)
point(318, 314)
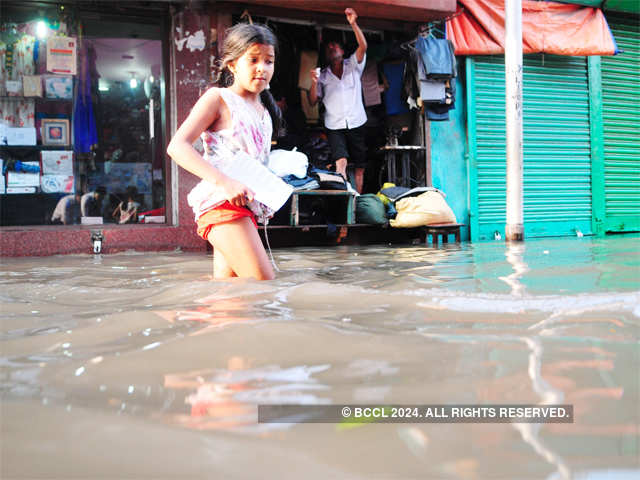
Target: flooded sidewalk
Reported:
point(137, 365)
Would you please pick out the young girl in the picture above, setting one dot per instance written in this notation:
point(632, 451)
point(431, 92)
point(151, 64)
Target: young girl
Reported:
point(240, 115)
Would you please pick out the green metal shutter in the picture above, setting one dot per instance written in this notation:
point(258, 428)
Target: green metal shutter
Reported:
point(557, 156)
point(621, 125)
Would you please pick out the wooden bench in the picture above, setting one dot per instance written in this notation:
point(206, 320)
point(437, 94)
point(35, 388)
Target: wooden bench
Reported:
point(442, 230)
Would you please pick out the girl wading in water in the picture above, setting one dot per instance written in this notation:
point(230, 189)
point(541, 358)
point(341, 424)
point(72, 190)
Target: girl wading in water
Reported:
point(238, 115)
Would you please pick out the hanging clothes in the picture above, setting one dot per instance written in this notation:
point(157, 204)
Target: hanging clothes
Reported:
point(437, 57)
point(370, 86)
point(18, 112)
point(84, 124)
point(393, 96)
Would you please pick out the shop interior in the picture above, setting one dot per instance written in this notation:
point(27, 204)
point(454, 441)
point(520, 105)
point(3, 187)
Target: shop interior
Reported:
point(113, 122)
point(390, 121)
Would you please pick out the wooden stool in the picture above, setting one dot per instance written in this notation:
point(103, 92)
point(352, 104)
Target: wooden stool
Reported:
point(443, 230)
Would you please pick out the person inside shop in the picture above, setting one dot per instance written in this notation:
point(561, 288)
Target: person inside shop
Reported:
point(339, 88)
point(91, 202)
point(128, 212)
point(67, 211)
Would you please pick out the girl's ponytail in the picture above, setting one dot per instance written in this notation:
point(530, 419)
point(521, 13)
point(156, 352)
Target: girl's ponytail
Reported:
point(279, 127)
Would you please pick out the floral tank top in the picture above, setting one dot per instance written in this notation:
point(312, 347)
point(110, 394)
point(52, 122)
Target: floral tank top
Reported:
point(249, 131)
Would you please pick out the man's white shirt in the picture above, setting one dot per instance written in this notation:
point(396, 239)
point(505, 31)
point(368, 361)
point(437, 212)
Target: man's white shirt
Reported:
point(342, 97)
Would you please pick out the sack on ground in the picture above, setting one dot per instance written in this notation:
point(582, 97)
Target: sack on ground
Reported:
point(425, 209)
point(370, 209)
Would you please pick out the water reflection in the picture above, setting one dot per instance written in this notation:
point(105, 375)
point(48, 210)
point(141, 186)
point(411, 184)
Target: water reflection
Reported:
point(147, 342)
point(514, 255)
point(227, 399)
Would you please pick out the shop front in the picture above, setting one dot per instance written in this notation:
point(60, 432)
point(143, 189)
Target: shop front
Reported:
point(94, 165)
point(580, 112)
point(83, 127)
point(302, 28)
point(621, 125)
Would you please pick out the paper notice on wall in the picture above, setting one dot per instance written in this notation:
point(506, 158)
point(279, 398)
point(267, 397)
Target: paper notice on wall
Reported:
point(57, 184)
point(32, 85)
point(61, 55)
point(2, 184)
point(57, 162)
point(21, 136)
point(19, 179)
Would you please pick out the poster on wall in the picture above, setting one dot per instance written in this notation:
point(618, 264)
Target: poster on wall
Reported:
point(59, 86)
point(57, 162)
point(32, 85)
point(57, 183)
point(61, 55)
point(19, 179)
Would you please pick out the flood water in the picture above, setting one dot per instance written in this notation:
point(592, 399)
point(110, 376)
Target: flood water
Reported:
point(137, 365)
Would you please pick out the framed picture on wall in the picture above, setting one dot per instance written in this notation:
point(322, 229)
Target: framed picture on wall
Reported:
point(55, 131)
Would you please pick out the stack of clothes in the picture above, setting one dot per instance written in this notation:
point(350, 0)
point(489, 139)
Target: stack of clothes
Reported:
point(429, 77)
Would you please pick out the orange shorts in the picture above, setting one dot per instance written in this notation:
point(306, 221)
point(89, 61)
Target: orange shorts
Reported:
point(223, 213)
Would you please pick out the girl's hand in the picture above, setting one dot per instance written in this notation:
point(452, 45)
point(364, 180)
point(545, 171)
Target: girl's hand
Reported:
point(238, 194)
point(351, 15)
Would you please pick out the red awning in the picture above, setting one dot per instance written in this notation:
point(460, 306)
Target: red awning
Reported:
point(547, 27)
point(401, 10)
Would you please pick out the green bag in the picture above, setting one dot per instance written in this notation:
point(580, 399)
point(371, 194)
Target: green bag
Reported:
point(370, 209)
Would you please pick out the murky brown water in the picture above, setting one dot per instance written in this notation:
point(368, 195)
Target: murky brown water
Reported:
point(138, 366)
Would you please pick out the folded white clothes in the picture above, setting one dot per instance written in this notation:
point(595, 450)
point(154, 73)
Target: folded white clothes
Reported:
point(288, 162)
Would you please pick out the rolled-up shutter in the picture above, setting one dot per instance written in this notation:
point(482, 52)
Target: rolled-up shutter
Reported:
point(621, 125)
point(557, 155)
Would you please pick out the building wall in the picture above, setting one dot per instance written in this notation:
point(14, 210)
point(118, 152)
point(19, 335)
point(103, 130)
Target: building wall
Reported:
point(449, 159)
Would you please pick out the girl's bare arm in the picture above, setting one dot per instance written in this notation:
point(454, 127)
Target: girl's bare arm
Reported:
point(205, 112)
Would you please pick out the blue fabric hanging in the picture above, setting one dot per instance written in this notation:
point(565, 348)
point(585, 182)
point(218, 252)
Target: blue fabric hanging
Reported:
point(84, 124)
point(437, 57)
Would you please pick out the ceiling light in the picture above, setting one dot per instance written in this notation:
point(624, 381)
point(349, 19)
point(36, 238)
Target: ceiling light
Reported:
point(41, 29)
point(133, 83)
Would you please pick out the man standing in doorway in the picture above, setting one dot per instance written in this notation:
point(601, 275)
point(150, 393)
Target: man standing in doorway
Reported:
point(339, 87)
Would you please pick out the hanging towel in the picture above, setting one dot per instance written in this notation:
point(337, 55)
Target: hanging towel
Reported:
point(370, 86)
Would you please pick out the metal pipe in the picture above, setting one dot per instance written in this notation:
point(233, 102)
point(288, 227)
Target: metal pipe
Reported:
point(514, 230)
